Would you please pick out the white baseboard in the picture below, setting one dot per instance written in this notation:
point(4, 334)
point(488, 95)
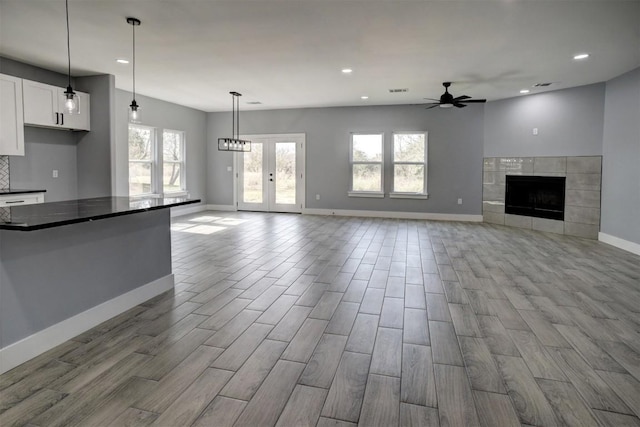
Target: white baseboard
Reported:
point(186, 210)
point(626, 245)
point(398, 215)
point(46, 339)
point(221, 208)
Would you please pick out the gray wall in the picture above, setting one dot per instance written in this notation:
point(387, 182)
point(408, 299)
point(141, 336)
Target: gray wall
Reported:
point(163, 115)
point(455, 153)
point(45, 149)
point(621, 158)
point(94, 147)
point(569, 123)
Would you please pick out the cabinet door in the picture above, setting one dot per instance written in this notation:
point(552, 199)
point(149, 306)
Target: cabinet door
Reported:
point(11, 119)
point(78, 121)
point(40, 103)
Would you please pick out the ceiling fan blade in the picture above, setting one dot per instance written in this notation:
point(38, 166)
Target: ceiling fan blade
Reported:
point(460, 98)
point(432, 99)
point(433, 106)
point(459, 105)
point(474, 100)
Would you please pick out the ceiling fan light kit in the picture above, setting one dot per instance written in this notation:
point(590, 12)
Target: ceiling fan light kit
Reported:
point(234, 143)
point(448, 101)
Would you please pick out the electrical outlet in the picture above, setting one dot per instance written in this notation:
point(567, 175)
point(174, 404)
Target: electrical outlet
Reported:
point(459, 201)
point(55, 173)
point(229, 168)
point(535, 131)
point(317, 197)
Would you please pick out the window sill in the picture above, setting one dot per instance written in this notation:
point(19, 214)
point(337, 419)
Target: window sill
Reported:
point(408, 196)
point(176, 194)
point(146, 196)
point(374, 194)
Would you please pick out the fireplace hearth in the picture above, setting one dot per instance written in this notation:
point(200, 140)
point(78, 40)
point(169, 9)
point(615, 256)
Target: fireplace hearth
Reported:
point(535, 196)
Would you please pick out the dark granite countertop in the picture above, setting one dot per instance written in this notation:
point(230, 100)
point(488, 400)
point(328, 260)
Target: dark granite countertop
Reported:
point(56, 214)
point(4, 191)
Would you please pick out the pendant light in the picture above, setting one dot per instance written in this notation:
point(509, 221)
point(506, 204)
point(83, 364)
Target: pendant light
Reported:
point(234, 143)
point(134, 108)
point(69, 97)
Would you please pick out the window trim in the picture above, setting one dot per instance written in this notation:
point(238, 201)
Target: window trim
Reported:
point(403, 194)
point(358, 193)
point(153, 162)
point(182, 163)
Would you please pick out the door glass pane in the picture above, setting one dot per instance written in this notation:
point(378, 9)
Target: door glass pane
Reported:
point(367, 177)
point(252, 174)
point(285, 173)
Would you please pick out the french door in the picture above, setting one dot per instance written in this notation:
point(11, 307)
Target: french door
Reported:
point(271, 176)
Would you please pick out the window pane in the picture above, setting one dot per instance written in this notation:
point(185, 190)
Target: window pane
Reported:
point(367, 178)
point(171, 177)
point(139, 178)
point(171, 146)
point(286, 173)
point(367, 148)
point(408, 147)
point(140, 143)
point(252, 175)
point(408, 178)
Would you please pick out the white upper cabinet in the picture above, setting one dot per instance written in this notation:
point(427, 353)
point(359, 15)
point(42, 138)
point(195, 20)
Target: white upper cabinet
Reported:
point(11, 119)
point(43, 106)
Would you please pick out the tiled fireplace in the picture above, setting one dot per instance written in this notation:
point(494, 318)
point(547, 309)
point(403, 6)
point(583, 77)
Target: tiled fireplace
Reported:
point(582, 192)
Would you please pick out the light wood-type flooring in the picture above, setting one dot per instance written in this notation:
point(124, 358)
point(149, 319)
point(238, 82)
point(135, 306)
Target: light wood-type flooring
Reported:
point(295, 320)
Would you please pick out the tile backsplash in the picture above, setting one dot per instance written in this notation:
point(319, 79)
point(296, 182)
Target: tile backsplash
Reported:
point(4, 172)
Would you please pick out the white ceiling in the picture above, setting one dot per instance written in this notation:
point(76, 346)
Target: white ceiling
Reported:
point(289, 54)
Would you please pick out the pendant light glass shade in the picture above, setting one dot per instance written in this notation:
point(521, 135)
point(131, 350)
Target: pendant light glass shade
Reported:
point(134, 108)
point(69, 98)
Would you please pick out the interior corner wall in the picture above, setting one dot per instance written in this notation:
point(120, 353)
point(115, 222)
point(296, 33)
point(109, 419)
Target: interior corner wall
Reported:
point(162, 115)
point(454, 165)
point(569, 123)
point(621, 158)
point(94, 147)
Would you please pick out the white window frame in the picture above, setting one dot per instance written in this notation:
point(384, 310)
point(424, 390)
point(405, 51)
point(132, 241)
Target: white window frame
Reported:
point(375, 194)
point(182, 163)
point(153, 162)
point(406, 195)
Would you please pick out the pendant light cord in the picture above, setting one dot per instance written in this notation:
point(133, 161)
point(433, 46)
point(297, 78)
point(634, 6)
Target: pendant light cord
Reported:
point(133, 26)
point(68, 42)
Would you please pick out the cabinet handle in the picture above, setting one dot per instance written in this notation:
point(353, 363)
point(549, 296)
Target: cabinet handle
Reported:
point(15, 201)
point(62, 120)
point(57, 118)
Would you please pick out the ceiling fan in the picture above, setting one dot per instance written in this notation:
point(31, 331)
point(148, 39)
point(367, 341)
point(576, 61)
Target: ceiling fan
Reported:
point(447, 100)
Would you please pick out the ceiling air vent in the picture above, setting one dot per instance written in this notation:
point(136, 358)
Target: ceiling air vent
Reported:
point(398, 90)
point(254, 102)
point(542, 84)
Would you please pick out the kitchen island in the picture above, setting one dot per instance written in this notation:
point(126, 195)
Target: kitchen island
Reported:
point(67, 266)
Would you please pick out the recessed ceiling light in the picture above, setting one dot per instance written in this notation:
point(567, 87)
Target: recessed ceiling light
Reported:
point(347, 70)
point(525, 91)
point(364, 97)
point(122, 61)
point(581, 56)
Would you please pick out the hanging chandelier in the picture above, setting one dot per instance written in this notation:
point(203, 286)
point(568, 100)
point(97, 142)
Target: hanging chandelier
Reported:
point(70, 99)
point(134, 108)
point(234, 143)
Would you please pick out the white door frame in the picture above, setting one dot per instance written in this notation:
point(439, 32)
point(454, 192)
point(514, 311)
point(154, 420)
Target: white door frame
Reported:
point(303, 156)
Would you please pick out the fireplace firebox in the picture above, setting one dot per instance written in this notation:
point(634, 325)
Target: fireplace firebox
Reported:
point(537, 196)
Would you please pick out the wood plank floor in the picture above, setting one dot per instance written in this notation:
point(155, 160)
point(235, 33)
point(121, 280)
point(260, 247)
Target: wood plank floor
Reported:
point(295, 320)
